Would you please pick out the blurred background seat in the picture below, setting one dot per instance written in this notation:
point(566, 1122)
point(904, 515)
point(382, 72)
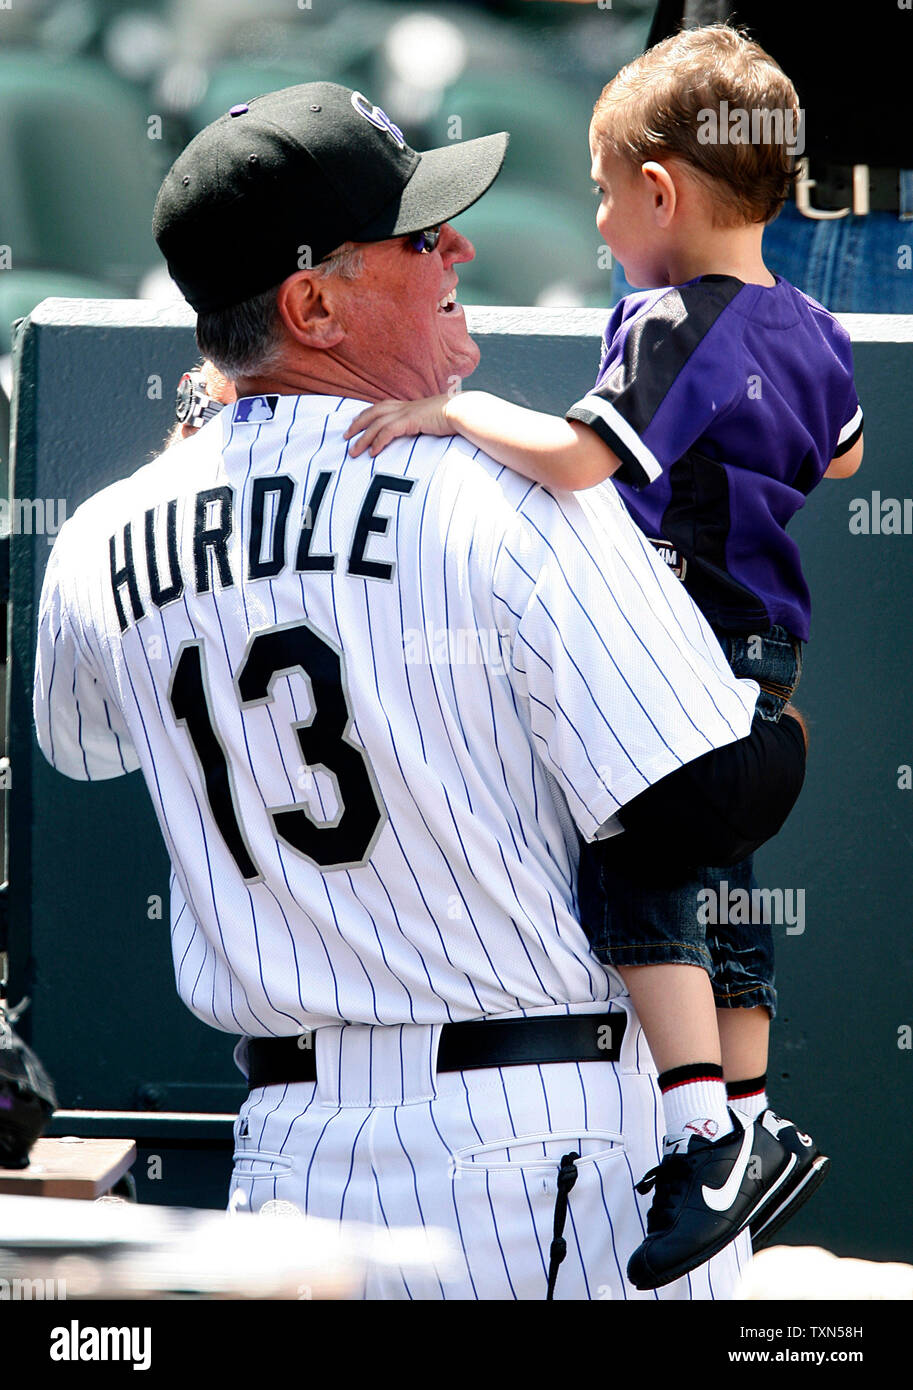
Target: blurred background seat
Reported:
point(548, 122)
point(79, 177)
point(531, 249)
point(236, 82)
point(78, 170)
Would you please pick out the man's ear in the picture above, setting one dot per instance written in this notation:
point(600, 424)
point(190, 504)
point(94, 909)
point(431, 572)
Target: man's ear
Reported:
point(307, 308)
point(662, 191)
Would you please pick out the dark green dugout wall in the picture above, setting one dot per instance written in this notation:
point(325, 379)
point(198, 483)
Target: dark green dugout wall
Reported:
point(94, 400)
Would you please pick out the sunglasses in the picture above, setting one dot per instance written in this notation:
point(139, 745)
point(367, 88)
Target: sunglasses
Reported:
point(425, 241)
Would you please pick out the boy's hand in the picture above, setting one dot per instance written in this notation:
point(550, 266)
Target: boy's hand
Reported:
point(388, 420)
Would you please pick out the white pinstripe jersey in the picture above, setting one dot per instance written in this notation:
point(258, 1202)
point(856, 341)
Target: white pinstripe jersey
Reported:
point(371, 700)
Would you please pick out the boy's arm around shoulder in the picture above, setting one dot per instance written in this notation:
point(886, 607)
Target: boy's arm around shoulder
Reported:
point(545, 448)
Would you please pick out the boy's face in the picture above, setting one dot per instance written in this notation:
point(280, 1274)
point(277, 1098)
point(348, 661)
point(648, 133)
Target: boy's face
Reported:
point(625, 215)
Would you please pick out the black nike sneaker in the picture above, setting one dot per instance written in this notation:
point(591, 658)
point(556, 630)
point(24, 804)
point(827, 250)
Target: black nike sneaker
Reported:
point(706, 1192)
point(805, 1177)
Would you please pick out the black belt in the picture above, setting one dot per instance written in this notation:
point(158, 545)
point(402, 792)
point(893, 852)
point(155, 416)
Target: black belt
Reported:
point(833, 187)
point(504, 1042)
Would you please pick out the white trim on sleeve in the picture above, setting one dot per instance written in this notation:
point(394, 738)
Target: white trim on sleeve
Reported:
point(850, 427)
point(625, 432)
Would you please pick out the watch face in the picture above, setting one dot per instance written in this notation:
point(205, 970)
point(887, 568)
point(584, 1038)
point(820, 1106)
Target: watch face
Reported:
point(184, 402)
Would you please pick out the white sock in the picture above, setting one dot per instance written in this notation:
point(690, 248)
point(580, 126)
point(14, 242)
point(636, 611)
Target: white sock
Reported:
point(752, 1104)
point(697, 1107)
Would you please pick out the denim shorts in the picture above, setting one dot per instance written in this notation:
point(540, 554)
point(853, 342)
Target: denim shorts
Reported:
point(773, 659)
point(638, 910)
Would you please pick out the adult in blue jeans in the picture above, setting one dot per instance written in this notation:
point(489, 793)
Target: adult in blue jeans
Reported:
point(846, 236)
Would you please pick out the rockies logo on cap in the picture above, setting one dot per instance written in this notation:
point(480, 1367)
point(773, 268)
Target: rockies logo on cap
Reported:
point(378, 118)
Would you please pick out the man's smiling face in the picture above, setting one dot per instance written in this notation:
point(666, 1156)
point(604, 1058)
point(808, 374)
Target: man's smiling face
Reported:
point(403, 327)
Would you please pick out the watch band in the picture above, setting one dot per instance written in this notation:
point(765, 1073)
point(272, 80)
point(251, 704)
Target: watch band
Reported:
point(194, 406)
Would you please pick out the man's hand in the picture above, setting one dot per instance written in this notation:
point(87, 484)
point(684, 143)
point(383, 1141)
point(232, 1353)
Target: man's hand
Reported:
point(388, 420)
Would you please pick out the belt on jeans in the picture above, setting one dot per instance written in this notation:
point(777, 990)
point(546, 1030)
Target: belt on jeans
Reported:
point(845, 188)
point(499, 1042)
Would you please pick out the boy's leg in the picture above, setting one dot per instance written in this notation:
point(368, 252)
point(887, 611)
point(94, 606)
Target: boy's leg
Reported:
point(648, 920)
point(645, 917)
point(744, 1038)
point(675, 1005)
point(742, 954)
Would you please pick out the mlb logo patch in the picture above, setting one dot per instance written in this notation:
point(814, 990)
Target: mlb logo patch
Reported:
point(253, 410)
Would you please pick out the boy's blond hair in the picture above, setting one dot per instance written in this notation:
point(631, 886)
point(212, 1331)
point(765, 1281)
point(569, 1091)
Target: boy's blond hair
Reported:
point(715, 99)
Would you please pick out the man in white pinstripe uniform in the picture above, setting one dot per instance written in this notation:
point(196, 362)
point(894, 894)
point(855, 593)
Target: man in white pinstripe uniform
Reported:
point(394, 693)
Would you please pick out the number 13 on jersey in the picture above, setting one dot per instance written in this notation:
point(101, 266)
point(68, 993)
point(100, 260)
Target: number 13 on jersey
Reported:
point(345, 841)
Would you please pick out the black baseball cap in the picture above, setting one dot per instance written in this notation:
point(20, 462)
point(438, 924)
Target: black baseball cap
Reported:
point(281, 180)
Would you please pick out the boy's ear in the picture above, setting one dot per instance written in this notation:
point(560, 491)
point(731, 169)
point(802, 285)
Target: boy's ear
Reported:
point(307, 308)
point(662, 191)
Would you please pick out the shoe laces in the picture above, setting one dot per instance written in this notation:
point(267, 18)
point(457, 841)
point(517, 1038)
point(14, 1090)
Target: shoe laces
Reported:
point(669, 1179)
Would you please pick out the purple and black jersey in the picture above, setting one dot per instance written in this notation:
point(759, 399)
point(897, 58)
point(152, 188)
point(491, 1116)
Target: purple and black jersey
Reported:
point(725, 403)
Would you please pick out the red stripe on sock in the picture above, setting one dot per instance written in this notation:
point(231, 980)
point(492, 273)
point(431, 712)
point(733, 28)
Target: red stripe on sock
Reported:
point(689, 1081)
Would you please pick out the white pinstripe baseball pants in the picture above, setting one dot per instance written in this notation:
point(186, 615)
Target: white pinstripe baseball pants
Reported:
point(381, 1139)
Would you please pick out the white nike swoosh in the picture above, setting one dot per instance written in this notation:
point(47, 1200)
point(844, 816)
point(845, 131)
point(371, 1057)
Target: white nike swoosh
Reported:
point(721, 1198)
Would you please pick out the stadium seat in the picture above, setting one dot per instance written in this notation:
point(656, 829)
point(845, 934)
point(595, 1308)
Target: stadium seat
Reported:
point(78, 173)
point(530, 249)
point(547, 120)
point(239, 81)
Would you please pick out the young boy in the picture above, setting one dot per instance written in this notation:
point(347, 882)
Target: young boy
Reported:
point(724, 395)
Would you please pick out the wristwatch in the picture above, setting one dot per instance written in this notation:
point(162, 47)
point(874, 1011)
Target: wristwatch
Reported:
point(193, 405)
